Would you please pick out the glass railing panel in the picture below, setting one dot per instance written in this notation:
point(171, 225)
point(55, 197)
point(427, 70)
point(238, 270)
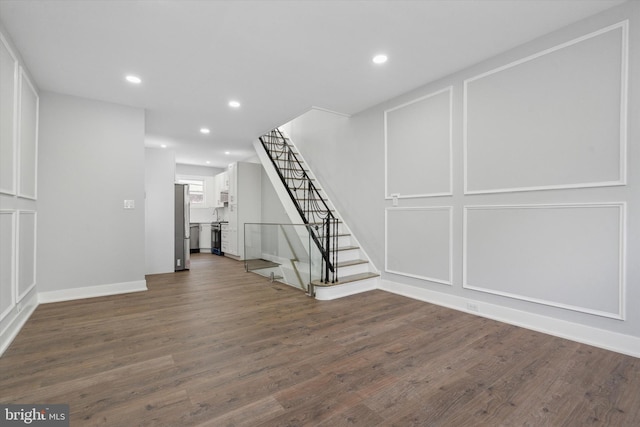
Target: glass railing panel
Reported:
point(282, 252)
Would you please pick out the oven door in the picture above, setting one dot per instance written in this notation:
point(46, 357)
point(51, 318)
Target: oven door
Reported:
point(216, 238)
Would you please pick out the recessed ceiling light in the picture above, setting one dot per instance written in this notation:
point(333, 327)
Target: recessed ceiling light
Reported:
point(227, 152)
point(208, 162)
point(205, 131)
point(380, 59)
point(234, 104)
point(163, 145)
point(133, 79)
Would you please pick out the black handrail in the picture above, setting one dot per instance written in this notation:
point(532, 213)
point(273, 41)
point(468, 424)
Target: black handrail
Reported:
point(312, 208)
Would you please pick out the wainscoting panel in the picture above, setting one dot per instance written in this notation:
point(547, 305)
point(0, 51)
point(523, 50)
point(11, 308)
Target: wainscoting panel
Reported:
point(8, 100)
point(418, 147)
point(570, 256)
point(26, 252)
point(28, 138)
point(418, 243)
point(556, 119)
point(7, 261)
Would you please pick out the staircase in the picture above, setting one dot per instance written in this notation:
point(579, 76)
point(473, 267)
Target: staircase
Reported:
point(345, 267)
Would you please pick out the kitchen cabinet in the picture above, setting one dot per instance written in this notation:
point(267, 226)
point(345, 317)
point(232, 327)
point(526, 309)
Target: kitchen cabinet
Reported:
point(244, 203)
point(224, 237)
point(205, 238)
point(210, 192)
point(220, 184)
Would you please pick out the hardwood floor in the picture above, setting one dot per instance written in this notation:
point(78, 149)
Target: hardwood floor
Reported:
point(216, 346)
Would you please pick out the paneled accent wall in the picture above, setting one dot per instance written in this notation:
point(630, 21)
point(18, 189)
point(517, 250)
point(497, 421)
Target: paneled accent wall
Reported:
point(18, 191)
point(525, 201)
point(419, 242)
point(418, 147)
point(555, 119)
point(569, 256)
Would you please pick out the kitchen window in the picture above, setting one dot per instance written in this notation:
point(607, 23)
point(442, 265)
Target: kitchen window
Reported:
point(196, 190)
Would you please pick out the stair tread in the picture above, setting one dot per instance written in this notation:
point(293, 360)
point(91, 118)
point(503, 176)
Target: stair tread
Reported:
point(352, 262)
point(347, 248)
point(346, 279)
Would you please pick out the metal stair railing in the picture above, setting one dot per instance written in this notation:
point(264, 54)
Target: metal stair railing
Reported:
point(311, 206)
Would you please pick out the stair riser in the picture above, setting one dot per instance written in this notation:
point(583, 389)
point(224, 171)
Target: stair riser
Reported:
point(354, 269)
point(340, 291)
point(349, 255)
point(344, 241)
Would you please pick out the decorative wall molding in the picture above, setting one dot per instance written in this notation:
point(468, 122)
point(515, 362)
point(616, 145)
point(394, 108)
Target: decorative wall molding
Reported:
point(27, 142)
point(21, 251)
point(92, 291)
point(622, 128)
point(449, 210)
point(10, 241)
point(620, 285)
point(11, 189)
point(449, 191)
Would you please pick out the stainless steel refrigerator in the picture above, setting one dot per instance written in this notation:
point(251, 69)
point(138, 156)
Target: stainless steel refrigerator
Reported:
point(181, 230)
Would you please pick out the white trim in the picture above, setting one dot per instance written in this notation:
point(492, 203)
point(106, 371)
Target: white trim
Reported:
point(20, 296)
point(10, 332)
point(547, 187)
point(621, 255)
point(624, 25)
point(313, 107)
point(92, 291)
point(12, 279)
point(327, 293)
point(614, 341)
point(14, 136)
point(624, 94)
point(386, 239)
point(388, 196)
point(24, 77)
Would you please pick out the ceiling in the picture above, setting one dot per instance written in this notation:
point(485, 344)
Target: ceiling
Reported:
point(278, 58)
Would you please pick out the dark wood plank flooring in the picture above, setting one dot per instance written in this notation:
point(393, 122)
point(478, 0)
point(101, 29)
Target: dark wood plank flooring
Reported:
point(216, 346)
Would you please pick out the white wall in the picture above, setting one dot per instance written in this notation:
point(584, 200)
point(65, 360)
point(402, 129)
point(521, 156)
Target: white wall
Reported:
point(271, 206)
point(159, 210)
point(195, 170)
point(584, 285)
point(91, 160)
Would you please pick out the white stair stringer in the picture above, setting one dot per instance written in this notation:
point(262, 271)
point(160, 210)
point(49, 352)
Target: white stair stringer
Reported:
point(356, 272)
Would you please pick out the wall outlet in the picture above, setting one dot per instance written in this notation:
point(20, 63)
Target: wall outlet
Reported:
point(179, 262)
point(472, 307)
point(19, 307)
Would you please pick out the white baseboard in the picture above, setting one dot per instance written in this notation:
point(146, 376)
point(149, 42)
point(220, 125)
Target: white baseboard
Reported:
point(92, 291)
point(625, 344)
point(326, 293)
point(7, 336)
